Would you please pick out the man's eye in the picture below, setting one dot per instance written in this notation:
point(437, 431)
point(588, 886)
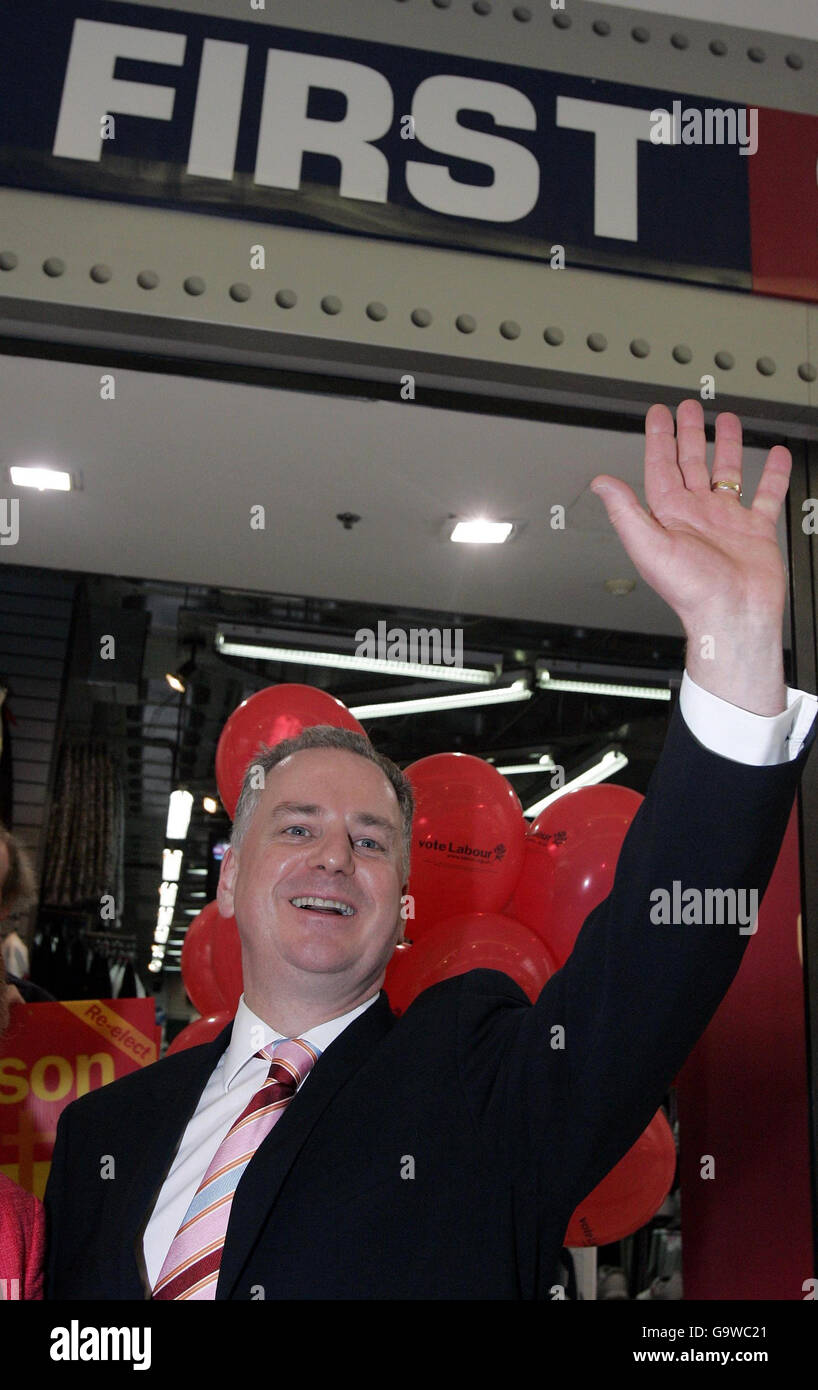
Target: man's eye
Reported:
point(300, 828)
point(369, 843)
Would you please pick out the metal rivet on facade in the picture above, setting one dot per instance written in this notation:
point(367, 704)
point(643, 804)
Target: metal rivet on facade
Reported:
point(286, 299)
point(421, 318)
point(331, 304)
point(8, 260)
point(100, 274)
point(795, 61)
point(717, 47)
point(147, 279)
point(562, 21)
point(554, 336)
point(680, 40)
point(601, 27)
point(756, 55)
point(466, 323)
point(240, 292)
point(194, 284)
point(807, 371)
point(682, 353)
point(640, 34)
point(376, 311)
point(766, 366)
point(597, 342)
point(725, 360)
point(510, 329)
point(54, 266)
point(522, 12)
point(482, 7)
point(640, 347)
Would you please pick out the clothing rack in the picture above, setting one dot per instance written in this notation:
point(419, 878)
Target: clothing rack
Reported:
point(122, 941)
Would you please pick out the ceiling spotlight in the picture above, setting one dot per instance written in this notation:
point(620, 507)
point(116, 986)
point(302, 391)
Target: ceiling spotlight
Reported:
point(44, 479)
point(481, 531)
point(210, 804)
point(178, 680)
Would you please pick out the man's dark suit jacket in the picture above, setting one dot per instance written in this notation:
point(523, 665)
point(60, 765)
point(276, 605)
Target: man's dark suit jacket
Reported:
point(506, 1132)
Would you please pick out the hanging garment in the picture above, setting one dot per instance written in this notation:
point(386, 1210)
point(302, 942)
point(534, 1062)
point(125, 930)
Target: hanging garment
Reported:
point(128, 987)
point(99, 979)
point(6, 776)
point(117, 972)
point(15, 956)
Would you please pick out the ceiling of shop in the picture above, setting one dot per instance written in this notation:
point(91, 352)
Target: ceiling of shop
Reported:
point(173, 465)
point(170, 469)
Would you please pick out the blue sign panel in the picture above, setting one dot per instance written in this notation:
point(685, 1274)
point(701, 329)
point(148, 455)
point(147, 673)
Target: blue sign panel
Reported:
point(243, 120)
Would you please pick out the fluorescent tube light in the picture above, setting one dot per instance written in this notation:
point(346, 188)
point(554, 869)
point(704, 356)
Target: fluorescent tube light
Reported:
point(167, 893)
point(608, 764)
point(515, 769)
point(348, 661)
point(172, 865)
point(630, 692)
point(179, 809)
point(390, 708)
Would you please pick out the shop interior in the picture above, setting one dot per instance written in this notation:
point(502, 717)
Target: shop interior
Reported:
point(358, 494)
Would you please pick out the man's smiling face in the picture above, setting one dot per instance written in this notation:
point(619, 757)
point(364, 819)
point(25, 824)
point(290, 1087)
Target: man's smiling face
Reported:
point(315, 884)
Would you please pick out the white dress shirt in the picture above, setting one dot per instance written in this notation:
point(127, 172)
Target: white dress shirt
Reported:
point(723, 728)
point(237, 1076)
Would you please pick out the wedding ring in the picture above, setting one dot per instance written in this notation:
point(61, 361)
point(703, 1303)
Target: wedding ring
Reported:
point(727, 487)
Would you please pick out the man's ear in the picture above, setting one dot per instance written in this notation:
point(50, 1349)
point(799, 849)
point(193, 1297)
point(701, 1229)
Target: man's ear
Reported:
point(227, 880)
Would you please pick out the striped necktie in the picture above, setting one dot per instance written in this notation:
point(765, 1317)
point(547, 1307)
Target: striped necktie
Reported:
point(191, 1267)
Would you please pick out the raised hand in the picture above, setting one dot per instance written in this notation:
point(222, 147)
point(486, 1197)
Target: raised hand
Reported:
point(716, 561)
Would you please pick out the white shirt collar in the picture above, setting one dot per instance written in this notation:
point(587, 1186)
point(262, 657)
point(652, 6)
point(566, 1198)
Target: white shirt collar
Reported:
point(251, 1033)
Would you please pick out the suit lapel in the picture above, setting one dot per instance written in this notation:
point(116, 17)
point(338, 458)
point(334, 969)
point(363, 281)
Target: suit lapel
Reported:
point(181, 1084)
point(262, 1180)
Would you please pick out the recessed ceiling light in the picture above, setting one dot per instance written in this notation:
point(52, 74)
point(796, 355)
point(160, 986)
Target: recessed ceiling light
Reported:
point(482, 532)
point(44, 479)
point(210, 805)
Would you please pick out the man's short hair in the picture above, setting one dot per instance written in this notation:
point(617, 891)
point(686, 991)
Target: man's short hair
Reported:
point(323, 736)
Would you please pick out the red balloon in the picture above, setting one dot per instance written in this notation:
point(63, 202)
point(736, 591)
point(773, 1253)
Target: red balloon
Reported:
point(200, 978)
point(227, 962)
point(467, 840)
point(631, 1193)
point(201, 1030)
point(569, 862)
point(269, 716)
point(472, 941)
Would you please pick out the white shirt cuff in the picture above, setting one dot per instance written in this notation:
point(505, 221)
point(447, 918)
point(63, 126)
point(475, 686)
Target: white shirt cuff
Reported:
point(759, 739)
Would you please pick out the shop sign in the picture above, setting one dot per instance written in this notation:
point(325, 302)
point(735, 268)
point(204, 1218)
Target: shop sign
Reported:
point(253, 121)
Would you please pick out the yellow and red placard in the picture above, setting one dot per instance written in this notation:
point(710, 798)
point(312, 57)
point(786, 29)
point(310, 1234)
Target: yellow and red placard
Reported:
point(53, 1053)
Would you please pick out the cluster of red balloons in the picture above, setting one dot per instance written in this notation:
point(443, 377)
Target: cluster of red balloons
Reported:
point(486, 892)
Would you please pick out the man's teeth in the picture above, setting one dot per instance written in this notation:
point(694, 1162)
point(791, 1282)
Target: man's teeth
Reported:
point(329, 903)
